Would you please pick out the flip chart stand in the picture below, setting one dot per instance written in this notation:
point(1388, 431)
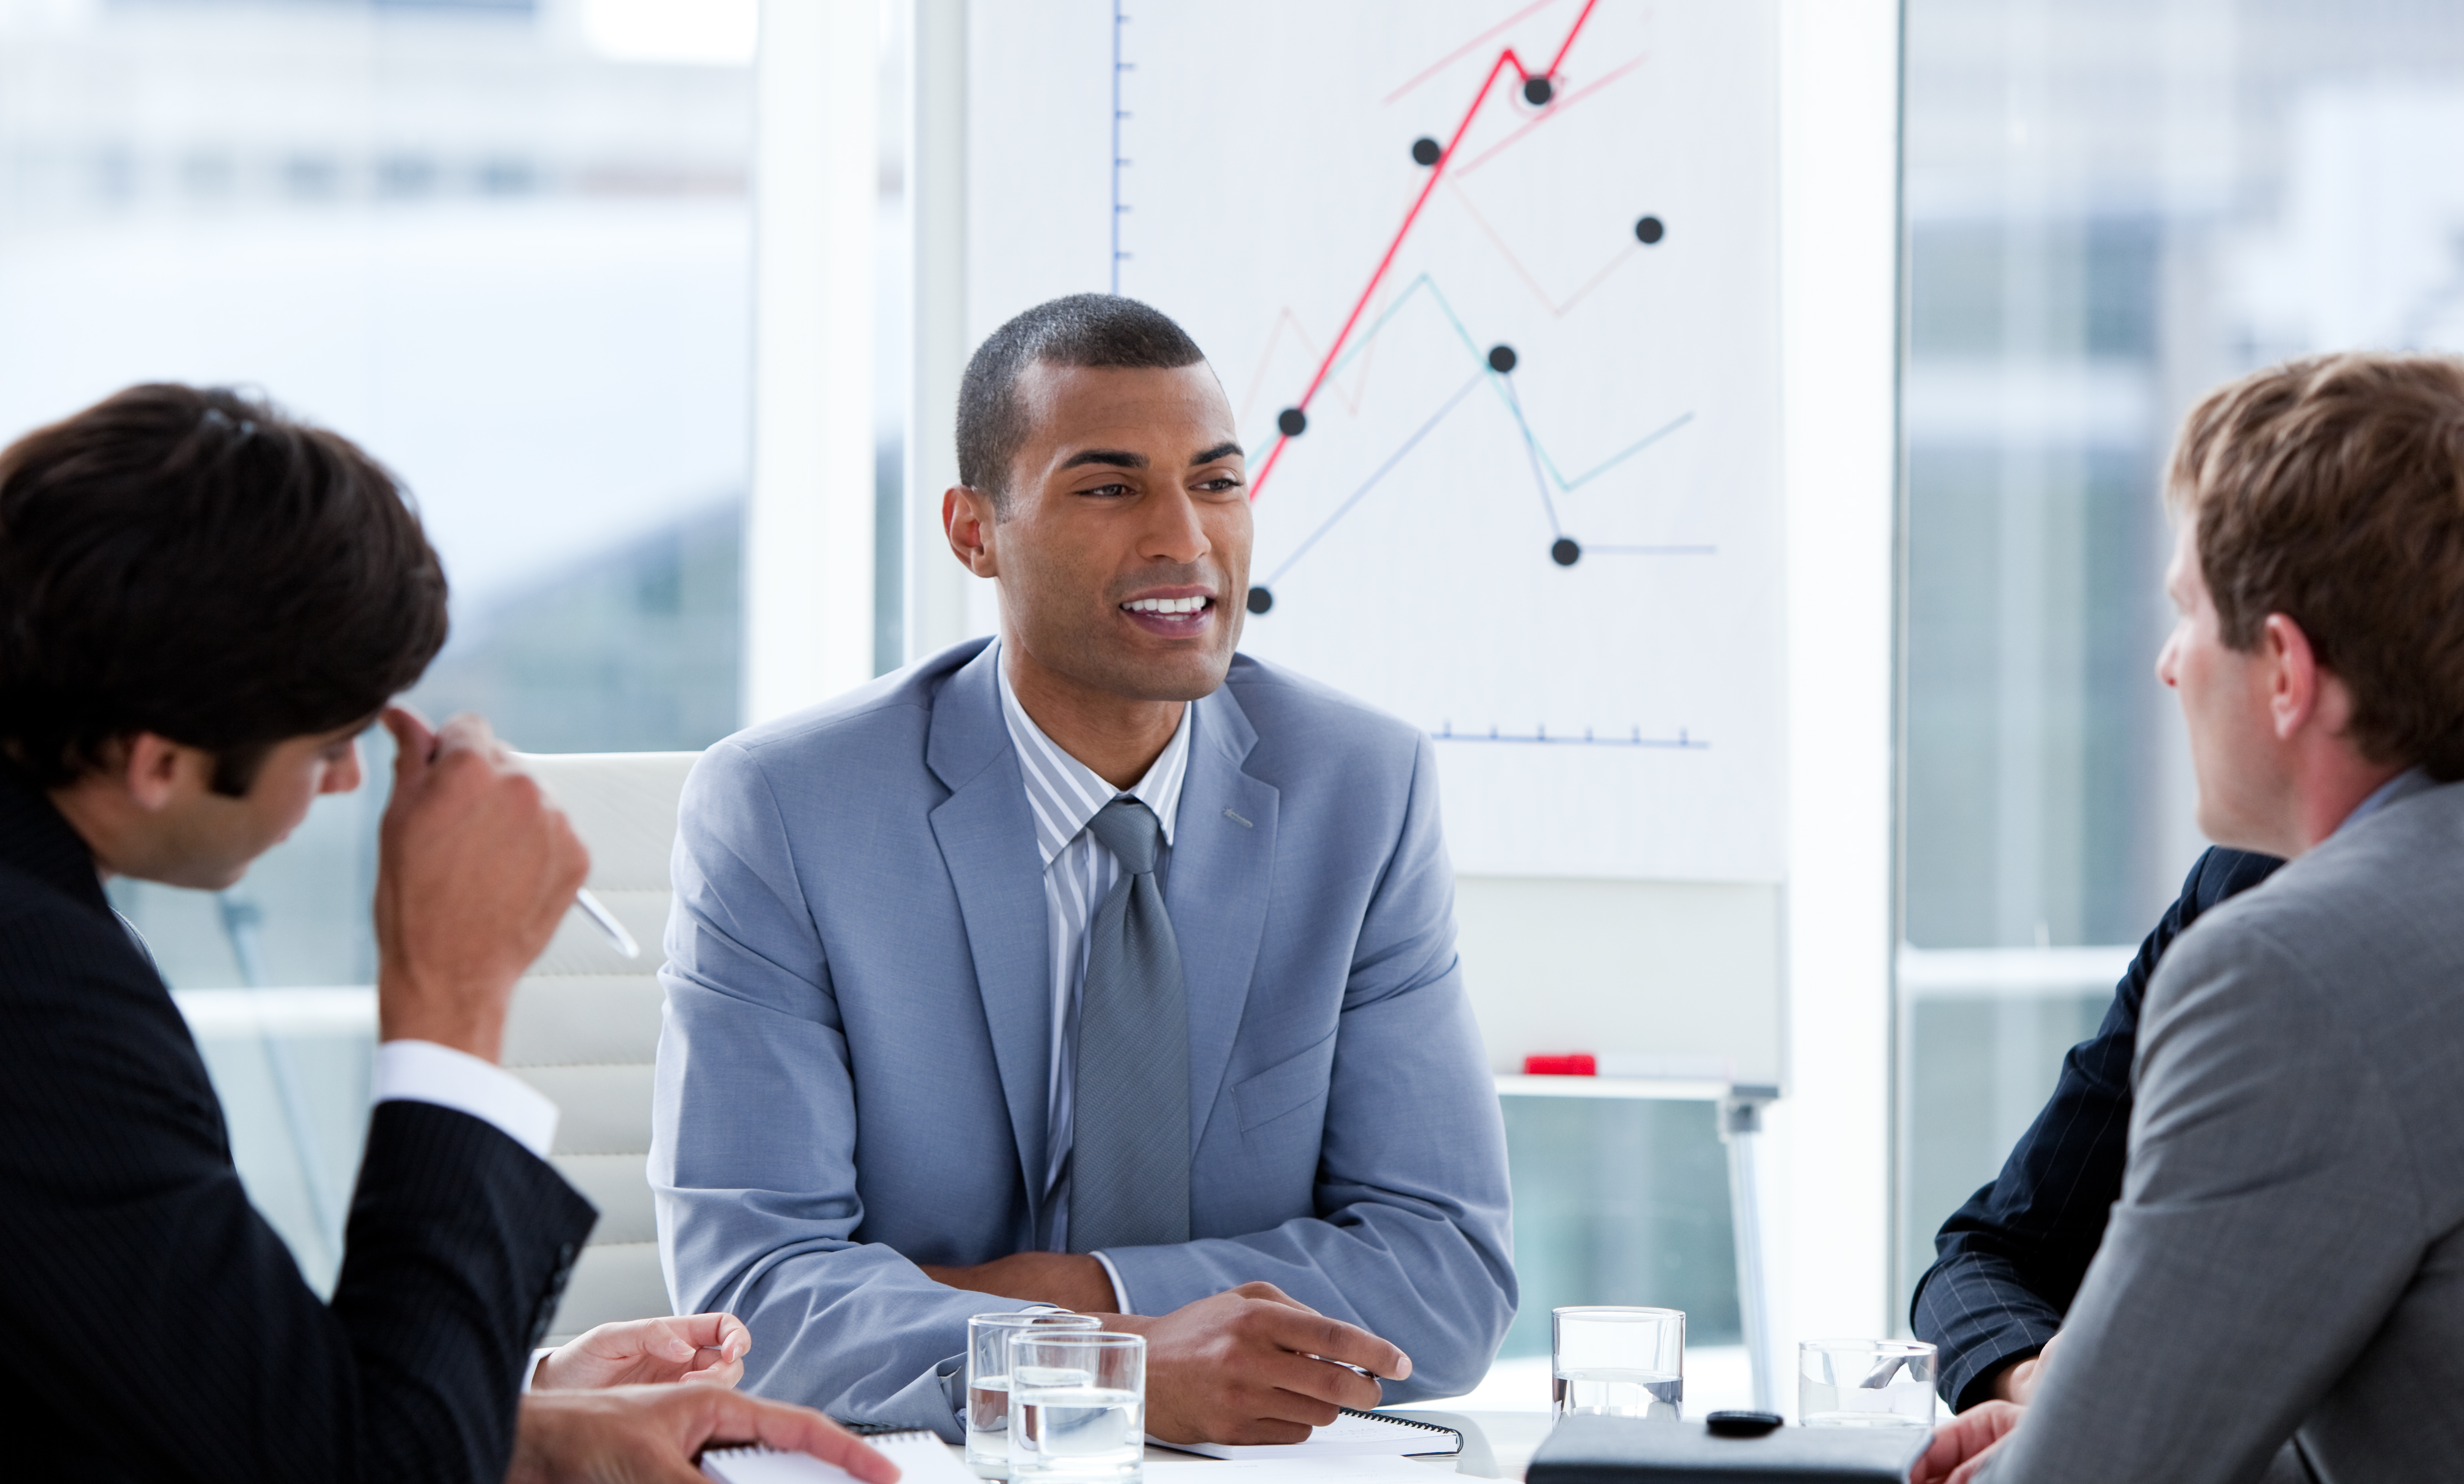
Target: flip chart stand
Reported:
point(1740, 1127)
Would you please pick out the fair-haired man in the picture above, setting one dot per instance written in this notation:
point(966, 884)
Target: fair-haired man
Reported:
point(1095, 966)
point(2287, 1257)
point(202, 602)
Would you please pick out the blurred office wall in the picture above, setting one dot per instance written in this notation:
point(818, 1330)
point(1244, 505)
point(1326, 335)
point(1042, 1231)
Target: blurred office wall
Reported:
point(2111, 206)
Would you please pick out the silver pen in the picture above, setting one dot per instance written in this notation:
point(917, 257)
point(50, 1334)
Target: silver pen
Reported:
point(597, 911)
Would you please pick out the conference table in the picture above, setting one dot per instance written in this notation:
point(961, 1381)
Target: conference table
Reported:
point(1497, 1445)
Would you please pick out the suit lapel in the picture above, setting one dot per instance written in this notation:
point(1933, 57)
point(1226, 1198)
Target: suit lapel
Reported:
point(1222, 866)
point(987, 841)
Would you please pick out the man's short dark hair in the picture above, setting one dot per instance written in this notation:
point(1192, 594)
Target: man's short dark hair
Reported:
point(1079, 330)
point(194, 563)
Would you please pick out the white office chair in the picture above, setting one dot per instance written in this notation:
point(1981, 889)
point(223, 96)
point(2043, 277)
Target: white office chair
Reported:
point(585, 1024)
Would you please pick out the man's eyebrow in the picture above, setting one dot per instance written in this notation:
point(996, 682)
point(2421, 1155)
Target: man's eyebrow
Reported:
point(1221, 451)
point(1116, 458)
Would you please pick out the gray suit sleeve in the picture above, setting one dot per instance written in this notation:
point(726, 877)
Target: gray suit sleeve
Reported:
point(1412, 1240)
point(755, 1211)
point(2268, 1223)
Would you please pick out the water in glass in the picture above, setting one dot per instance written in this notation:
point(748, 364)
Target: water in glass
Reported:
point(1067, 1429)
point(1615, 1392)
point(987, 1418)
point(1898, 1403)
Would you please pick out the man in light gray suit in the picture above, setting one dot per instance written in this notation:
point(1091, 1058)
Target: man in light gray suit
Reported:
point(2287, 1258)
point(1096, 966)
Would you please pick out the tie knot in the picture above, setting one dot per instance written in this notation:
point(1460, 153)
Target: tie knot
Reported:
point(1130, 830)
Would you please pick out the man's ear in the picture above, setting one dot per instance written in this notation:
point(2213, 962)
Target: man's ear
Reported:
point(967, 519)
point(150, 768)
point(2297, 688)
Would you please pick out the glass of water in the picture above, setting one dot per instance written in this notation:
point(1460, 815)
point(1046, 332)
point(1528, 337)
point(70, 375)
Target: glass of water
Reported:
point(1617, 1362)
point(1864, 1383)
point(1078, 1407)
point(988, 1381)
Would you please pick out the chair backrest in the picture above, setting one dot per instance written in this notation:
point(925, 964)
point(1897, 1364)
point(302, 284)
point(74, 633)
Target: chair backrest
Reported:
point(585, 1024)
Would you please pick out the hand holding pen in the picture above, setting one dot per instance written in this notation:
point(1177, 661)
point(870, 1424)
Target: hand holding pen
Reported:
point(475, 868)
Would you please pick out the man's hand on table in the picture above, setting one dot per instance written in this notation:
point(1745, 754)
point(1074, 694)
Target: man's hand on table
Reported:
point(1962, 1445)
point(1253, 1364)
point(703, 1348)
point(649, 1435)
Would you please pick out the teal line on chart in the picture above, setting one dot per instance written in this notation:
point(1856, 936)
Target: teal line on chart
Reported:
point(1497, 380)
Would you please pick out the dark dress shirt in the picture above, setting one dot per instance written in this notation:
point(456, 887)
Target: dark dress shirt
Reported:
point(2009, 1262)
point(155, 1327)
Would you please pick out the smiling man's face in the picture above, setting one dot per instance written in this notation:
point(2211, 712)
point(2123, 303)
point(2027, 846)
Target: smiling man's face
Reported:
point(1123, 545)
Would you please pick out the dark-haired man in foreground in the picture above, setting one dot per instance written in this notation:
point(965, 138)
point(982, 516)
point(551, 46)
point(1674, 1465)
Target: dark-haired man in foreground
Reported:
point(2287, 1257)
point(1094, 966)
point(202, 604)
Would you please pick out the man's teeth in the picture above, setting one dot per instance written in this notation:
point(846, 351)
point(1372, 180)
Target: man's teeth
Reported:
point(1165, 604)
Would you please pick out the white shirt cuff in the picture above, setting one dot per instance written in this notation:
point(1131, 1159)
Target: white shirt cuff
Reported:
point(424, 1072)
point(1120, 1293)
point(530, 1372)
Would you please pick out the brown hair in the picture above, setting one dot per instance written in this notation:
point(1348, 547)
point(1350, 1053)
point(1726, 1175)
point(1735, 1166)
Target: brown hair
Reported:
point(191, 562)
point(2331, 489)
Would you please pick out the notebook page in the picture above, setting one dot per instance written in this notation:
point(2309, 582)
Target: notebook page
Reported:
point(921, 1458)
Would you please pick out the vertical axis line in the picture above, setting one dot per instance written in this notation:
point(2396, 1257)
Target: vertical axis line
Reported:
point(1119, 19)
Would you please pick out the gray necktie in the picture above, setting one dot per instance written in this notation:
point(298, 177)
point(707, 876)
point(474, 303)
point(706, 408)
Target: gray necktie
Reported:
point(1128, 1162)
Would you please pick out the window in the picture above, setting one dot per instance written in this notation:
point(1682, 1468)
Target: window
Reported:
point(503, 244)
point(2110, 208)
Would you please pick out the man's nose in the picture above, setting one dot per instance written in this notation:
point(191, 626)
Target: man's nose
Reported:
point(345, 775)
point(1174, 532)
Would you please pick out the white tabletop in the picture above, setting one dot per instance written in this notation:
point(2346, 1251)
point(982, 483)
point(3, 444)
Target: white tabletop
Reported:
point(1496, 1445)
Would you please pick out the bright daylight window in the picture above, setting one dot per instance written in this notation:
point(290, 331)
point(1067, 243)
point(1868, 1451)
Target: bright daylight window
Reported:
point(2111, 206)
point(503, 244)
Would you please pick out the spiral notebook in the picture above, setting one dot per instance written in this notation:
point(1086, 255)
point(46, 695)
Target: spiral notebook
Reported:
point(1351, 1435)
point(921, 1458)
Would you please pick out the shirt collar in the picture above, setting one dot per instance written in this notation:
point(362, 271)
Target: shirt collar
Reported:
point(1063, 793)
point(2381, 796)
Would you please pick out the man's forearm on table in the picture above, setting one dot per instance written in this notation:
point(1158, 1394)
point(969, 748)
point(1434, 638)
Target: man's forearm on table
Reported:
point(1983, 1318)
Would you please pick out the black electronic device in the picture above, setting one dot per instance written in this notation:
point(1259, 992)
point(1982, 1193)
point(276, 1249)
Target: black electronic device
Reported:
point(1638, 1451)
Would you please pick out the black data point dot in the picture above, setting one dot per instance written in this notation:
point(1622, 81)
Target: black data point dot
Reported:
point(1291, 421)
point(1650, 229)
point(1537, 91)
point(1260, 599)
point(1500, 357)
point(1565, 552)
point(1425, 151)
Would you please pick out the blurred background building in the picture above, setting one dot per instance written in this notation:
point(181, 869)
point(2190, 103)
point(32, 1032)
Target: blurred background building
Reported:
point(2110, 208)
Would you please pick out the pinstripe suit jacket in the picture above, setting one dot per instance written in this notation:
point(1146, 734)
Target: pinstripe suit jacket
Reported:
point(157, 1327)
point(2009, 1262)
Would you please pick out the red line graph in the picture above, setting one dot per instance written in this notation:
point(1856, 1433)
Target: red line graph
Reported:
point(1437, 172)
point(1557, 105)
point(1467, 48)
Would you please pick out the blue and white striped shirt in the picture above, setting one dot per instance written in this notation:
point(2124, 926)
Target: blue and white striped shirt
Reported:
point(1063, 793)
